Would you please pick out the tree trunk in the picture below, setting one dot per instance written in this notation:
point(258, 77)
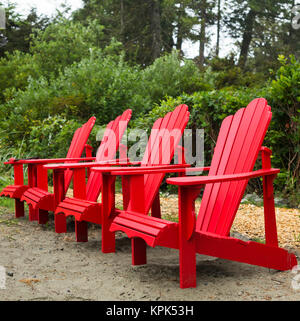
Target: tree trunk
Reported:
point(122, 25)
point(247, 37)
point(218, 29)
point(179, 27)
point(202, 33)
point(156, 30)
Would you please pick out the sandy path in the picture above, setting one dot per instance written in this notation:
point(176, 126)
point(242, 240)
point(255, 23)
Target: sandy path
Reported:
point(43, 265)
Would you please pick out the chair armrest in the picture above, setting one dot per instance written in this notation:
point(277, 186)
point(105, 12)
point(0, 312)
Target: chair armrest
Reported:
point(140, 170)
point(89, 164)
point(202, 180)
point(47, 161)
point(180, 168)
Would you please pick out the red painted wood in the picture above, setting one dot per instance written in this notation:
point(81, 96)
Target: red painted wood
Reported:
point(90, 191)
point(108, 206)
point(43, 216)
point(139, 248)
point(161, 149)
point(59, 195)
point(18, 175)
point(42, 184)
point(15, 191)
point(200, 180)
point(37, 177)
point(250, 252)
point(79, 192)
point(137, 204)
point(248, 155)
point(77, 146)
point(107, 151)
point(237, 148)
point(236, 151)
point(19, 208)
point(144, 187)
point(155, 208)
point(45, 161)
point(32, 181)
point(125, 191)
point(88, 153)
point(269, 206)
point(81, 231)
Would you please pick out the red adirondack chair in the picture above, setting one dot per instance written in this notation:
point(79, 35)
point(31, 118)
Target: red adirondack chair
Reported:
point(165, 136)
point(239, 142)
point(40, 198)
point(35, 169)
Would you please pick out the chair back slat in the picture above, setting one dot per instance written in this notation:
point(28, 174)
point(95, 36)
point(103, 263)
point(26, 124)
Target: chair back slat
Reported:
point(77, 145)
point(164, 138)
point(237, 148)
point(107, 151)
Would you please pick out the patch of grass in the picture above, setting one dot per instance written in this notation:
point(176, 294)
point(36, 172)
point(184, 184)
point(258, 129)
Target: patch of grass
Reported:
point(118, 185)
point(171, 218)
point(9, 222)
point(7, 203)
point(4, 201)
point(258, 240)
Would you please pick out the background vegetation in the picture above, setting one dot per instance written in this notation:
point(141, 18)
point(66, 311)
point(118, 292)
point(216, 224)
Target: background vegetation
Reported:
point(56, 72)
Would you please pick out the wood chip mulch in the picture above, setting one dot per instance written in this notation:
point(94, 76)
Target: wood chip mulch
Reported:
point(249, 221)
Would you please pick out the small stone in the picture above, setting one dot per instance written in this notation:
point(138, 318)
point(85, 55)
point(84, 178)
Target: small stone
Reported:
point(10, 274)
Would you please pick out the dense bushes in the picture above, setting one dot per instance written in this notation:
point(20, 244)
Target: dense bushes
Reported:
point(102, 84)
point(65, 79)
point(284, 132)
point(209, 108)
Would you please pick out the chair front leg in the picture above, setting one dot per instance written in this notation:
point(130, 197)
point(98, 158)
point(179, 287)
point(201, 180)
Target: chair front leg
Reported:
point(187, 245)
point(137, 193)
point(79, 191)
point(269, 211)
point(59, 195)
point(88, 153)
point(108, 207)
point(19, 180)
point(155, 208)
point(32, 182)
point(125, 191)
point(269, 206)
point(42, 183)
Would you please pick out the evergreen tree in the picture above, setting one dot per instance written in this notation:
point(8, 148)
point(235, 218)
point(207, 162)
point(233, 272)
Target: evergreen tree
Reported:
point(249, 20)
point(18, 31)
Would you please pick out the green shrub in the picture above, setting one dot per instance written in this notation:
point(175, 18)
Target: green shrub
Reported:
point(63, 43)
point(284, 136)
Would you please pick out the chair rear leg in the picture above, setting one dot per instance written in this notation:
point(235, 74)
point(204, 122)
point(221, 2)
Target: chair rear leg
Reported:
point(19, 208)
point(139, 251)
point(33, 213)
point(60, 223)
point(43, 216)
point(108, 239)
point(81, 231)
point(155, 209)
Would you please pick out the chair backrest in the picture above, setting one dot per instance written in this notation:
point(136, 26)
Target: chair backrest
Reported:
point(164, 138)
point(76, 148)
point(238, 144)
point(107, 151)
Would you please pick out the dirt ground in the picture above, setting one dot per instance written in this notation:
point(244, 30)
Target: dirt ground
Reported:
point(43, 265)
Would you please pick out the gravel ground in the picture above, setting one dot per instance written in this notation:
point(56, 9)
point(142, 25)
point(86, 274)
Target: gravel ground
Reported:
point(43, 265)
